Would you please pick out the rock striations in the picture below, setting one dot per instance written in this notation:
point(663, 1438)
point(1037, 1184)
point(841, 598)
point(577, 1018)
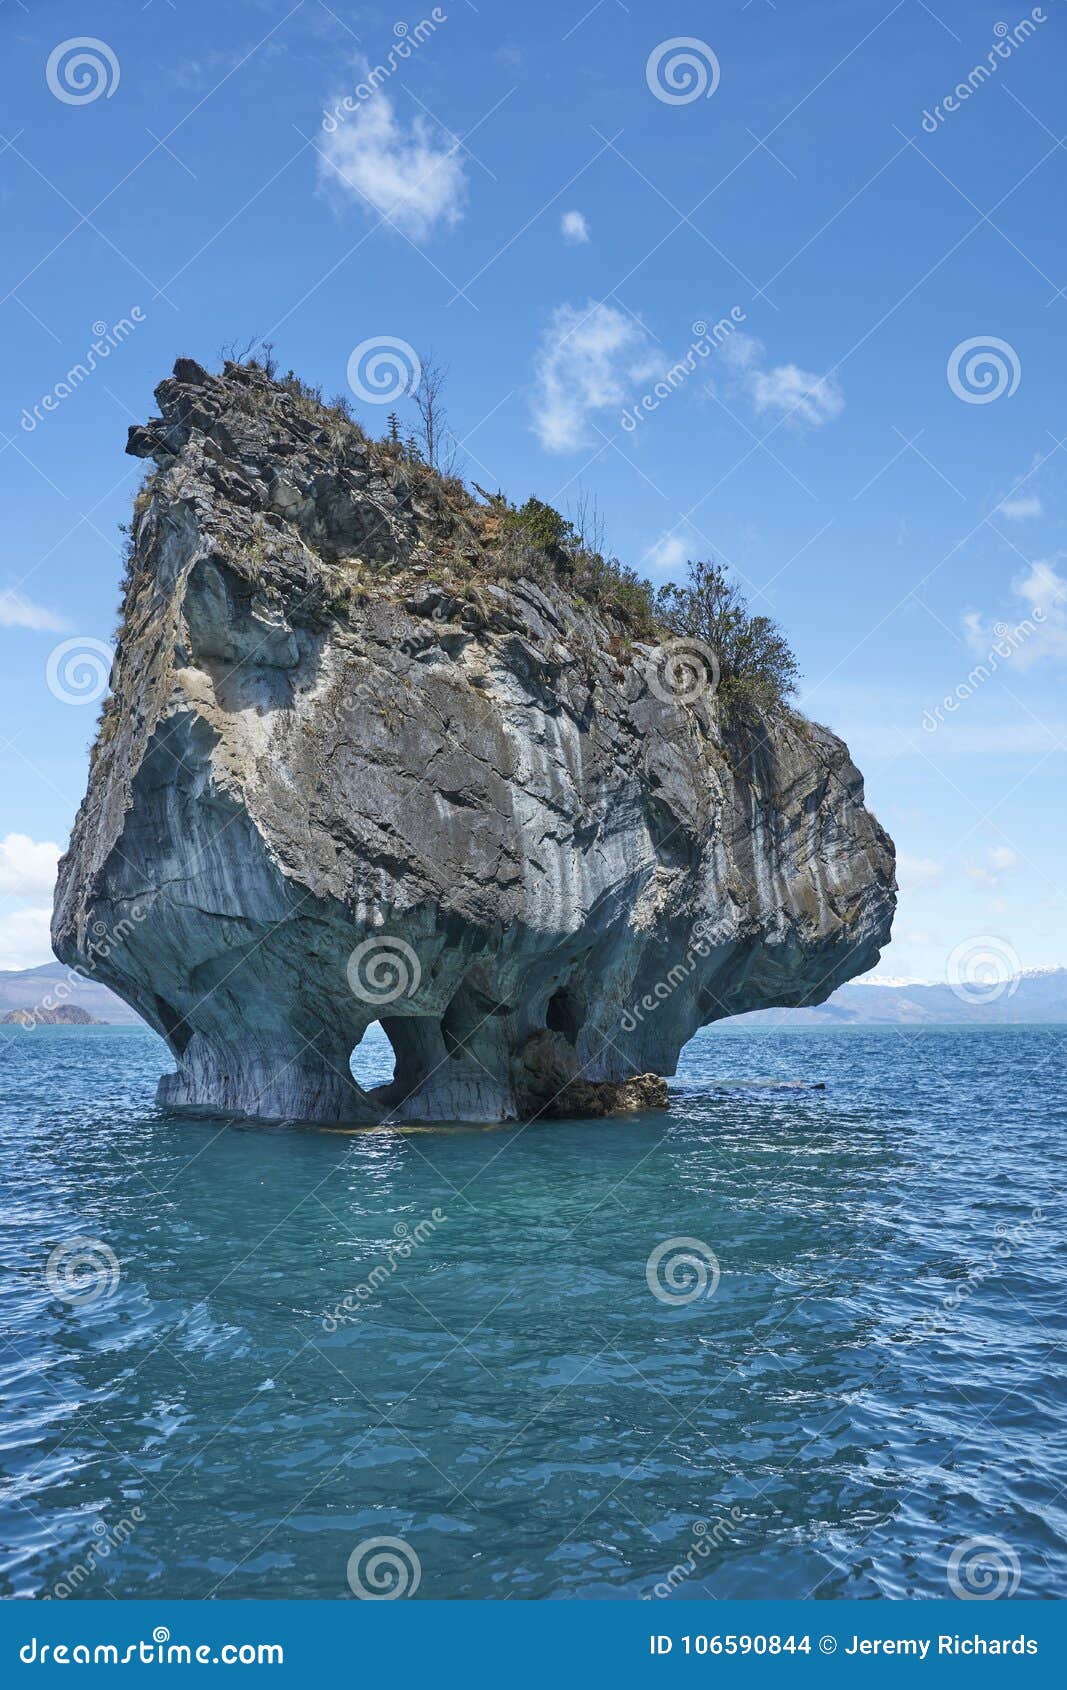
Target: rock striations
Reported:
point(351, 772)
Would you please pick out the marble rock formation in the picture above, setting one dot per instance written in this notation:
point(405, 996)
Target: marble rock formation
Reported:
point(350, 771)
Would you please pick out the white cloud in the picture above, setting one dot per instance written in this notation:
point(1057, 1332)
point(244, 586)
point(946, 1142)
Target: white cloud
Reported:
point(590, 359)
point(1039, 631)
point(574, 228)
point(668, 552)
point(917, 871)
point(24, 941)
point(800, 395)
point(999, 859)
point(1018, 509)
point(405, 173)
point(27, 867)
point(19, 612)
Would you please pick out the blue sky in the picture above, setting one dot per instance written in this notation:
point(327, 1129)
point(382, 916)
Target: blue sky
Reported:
point(518, 197)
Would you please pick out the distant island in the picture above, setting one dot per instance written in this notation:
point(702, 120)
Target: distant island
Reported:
point(64, 1015)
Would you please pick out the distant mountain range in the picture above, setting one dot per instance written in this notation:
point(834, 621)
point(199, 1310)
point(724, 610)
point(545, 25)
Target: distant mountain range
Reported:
point(52, 985)
point(1037, 994)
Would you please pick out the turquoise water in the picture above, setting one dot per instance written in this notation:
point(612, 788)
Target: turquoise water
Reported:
point(875, 1379)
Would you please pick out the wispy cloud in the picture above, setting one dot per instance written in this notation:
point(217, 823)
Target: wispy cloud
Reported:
point(800, 396)
point(917, 871)
point(410, 174)
point(19, 612)
point(1044, 595)
point(574, 228)
point(999, 860)
point(590, 359)
point(1025, 505)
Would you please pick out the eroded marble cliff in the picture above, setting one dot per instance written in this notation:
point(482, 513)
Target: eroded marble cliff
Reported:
point(345, 775)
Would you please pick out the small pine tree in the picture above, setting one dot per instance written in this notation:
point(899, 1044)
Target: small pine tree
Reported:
point(393, 435)
point(412, 450)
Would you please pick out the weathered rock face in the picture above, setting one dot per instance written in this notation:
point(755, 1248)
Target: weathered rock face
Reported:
point(338, 782)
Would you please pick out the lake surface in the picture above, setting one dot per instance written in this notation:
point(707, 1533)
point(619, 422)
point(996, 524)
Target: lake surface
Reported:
point(512, 1390)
